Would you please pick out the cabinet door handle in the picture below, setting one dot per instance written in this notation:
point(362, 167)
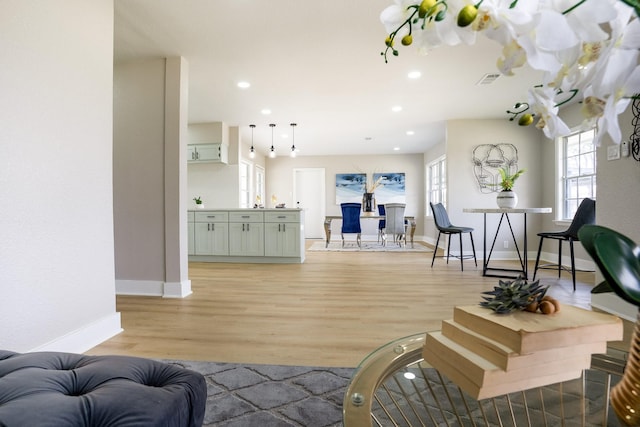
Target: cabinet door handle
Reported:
point(211, 216)
point(208, 227)
point(246, 216)
point(247, 227)
point(282, 216)
point(278, 228)
point(242, 227)
point(284, 227)
point(213, 227)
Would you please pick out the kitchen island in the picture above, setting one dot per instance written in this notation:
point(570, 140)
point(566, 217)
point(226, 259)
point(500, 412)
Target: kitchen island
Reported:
point(246, 235)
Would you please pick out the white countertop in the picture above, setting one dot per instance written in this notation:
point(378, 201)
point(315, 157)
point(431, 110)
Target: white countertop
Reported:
point(244, 209)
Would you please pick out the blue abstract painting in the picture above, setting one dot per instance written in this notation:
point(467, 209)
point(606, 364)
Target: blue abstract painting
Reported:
point(350, 187)
point(391, 188)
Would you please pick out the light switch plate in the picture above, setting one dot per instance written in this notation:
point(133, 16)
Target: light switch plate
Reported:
point(613, 152)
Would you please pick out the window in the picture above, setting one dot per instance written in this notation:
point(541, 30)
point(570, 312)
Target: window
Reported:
point(259, 196)
point(245, 185)
point(577, 169)
point(436, 182)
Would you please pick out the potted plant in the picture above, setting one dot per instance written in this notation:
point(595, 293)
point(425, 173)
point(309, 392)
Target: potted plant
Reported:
point(618, 259)
point(507, 198)
point(199, 203)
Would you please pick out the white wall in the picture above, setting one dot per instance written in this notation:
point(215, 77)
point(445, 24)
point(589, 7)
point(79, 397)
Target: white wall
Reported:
point(618, 201)
point(138, 166)
point(56, 229)
point(279, 181)
point(463, 191)
point(150, 187)
point(435, 152)
point(217, 184)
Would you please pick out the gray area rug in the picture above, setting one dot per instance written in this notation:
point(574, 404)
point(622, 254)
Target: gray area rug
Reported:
point(351, 246)
point(271, 395)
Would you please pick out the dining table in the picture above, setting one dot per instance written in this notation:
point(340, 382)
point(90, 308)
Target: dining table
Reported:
point(411, 220)
point(504, 218)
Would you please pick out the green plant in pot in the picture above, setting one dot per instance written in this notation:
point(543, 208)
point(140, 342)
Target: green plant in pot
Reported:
point(507, 198)
point(198, 201)
point(508, 179)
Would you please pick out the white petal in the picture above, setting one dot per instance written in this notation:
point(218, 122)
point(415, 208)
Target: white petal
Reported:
point(554, 33)
point(631, 36)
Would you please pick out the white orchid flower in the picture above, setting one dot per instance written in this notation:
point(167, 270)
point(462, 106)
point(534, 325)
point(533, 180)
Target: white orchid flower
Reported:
point(503, 23)
point(542, 101)
point(586, 19)
point(395, 15)
point(615, 84)
point(514, 57)
point(584, 48)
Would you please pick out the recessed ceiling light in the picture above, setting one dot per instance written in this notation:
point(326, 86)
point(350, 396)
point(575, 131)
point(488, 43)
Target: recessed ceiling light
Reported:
point(396, 148)
point(284, 136)
point(266, 111)
point(244, 85)
point(410, 132)
point(396, 108)
point(414, 74)
point(409, 375)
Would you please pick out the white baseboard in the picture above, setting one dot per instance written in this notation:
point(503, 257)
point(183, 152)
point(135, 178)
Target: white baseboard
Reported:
point(86, 337)
point(503, 255)
point(611, 303)
point(552, 258)
point(152, 288)
point(140, 287)
point(177, 289)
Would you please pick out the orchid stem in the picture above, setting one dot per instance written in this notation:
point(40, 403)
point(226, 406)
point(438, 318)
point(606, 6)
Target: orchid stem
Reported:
point(575, 6)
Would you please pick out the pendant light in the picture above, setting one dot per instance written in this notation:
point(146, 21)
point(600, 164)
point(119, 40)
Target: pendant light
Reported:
point(252, 152)
point(272, 152)
point(293, 140)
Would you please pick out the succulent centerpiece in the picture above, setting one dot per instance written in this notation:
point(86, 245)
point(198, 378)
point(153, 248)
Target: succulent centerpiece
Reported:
point(519, 294)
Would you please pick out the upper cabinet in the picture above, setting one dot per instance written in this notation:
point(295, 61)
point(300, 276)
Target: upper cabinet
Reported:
point(208, 153)
point(208, 142)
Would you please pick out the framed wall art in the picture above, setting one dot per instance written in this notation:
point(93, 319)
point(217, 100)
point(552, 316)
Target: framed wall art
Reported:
point(391, 187)
point(350, 187)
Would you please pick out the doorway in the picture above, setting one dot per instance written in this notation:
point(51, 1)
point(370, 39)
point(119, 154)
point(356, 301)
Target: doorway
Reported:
point(309, 195)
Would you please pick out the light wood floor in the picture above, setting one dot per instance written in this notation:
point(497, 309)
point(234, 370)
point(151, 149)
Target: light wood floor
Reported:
point(332, 310)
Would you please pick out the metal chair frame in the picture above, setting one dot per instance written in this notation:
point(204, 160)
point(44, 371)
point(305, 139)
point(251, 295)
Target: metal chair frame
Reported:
point(585, 214)
point(444, 226)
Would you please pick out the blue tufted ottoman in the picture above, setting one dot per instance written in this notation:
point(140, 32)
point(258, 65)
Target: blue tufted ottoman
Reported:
point(65, 389)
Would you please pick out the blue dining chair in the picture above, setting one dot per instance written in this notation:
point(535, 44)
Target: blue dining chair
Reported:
point(351, 220)
point(381, 223)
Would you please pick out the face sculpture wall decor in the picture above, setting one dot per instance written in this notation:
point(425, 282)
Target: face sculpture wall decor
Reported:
point(488, 159)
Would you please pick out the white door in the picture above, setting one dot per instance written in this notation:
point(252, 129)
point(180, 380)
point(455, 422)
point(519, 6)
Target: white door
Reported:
point(309, 194)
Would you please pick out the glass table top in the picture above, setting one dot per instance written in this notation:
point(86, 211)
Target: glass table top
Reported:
point(394, 386)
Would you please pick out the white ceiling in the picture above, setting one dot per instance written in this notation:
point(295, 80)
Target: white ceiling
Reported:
point(318, 64)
